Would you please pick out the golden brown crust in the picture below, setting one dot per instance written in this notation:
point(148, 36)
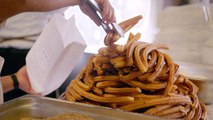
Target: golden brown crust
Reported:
point(154, 102)
point(157, 109)
point(97, 98)
point(171, 79)
point(122, 91)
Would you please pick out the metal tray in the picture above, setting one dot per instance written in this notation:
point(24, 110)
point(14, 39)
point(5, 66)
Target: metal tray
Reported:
point(41, 107)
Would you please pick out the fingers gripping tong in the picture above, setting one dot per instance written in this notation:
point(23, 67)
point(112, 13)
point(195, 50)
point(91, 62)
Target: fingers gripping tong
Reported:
point(95, 9)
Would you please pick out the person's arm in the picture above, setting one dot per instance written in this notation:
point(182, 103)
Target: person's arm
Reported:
point(23, 81)
point(9, 8)
point(47, 5)
point(7, 83)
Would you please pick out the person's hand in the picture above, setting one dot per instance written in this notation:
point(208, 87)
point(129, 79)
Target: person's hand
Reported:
point(107, 13)
point(24, 82)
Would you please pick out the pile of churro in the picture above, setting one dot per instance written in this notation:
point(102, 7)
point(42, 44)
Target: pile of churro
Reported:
point(136, 77)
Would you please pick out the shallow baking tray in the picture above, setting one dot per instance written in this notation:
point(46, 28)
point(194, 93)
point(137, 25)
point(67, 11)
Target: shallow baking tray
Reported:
point(41, 107)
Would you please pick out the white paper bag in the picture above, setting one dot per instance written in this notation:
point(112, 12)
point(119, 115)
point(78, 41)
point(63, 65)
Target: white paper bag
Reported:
point(55, 54)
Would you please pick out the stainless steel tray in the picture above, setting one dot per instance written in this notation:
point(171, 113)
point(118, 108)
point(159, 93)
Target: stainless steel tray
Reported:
point(40, 107)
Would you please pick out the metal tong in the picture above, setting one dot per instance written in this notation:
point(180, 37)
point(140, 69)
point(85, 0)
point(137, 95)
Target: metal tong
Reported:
point(95, 9)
